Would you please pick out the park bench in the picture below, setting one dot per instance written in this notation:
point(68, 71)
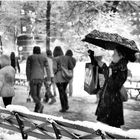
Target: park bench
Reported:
point(133, 84)
point(42, 126)
point(20, 79)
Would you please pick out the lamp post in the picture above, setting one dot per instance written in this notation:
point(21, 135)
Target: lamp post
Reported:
point(1, 50)
point(48, 13)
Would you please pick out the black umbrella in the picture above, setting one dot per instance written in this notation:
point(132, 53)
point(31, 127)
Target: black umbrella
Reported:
point(110, 41)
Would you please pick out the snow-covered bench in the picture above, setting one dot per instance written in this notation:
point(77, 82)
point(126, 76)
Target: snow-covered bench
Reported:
point(42, 126)
point(20, 79)
point(133, 84)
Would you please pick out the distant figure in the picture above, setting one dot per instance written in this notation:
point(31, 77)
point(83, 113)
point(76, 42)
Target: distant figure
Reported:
point(14, 62)
point(70, 85)
point(48, 93)
point(35, 65)
point(61, 82)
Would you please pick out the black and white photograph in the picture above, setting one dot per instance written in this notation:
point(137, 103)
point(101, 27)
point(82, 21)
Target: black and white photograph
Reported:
point(69, 69)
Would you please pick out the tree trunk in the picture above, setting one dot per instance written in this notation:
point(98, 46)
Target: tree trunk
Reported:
point(48, 13)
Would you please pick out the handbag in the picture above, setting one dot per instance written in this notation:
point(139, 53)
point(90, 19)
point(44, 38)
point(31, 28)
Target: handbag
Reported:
point(91, 79)
point(67, 74)
point(124, 95)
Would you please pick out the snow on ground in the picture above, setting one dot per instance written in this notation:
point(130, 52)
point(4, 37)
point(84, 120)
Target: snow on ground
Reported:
point(78, 80)
point(135, 68)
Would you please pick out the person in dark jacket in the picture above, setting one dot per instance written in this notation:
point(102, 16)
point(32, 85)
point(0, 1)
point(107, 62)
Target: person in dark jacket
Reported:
point(110, 106)
point(14, 62)
point(35, 75)
point(70, 84)
point(61, 60)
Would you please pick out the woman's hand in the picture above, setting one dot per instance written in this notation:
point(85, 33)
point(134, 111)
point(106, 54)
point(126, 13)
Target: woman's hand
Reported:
point(100, 63)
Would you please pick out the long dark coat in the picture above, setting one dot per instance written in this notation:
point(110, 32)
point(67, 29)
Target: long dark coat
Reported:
point(110, 107)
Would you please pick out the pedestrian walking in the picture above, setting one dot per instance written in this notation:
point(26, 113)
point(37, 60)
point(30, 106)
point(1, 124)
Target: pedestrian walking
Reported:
point(61, 82)
point(35, 76)
point(7, 77)
point(69, 89)
point(14, 62)
point(49, 94)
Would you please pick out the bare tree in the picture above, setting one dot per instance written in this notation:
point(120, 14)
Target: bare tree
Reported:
point(48, 14)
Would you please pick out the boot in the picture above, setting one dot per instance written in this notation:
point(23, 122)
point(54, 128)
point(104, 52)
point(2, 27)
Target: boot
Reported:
point(36, 108)
point(41, 107)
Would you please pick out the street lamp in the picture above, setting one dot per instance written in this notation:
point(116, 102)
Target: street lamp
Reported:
point(20, 49)
point(1, 45)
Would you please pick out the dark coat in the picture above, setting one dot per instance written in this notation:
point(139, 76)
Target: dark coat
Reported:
point(35, 67)
point(15, 64)
point(110, 107)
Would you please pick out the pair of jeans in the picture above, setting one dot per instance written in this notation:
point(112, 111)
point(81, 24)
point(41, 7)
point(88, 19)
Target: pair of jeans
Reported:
point(70, 87)
point(48, 93)
point(35, 86)
point(63, 95)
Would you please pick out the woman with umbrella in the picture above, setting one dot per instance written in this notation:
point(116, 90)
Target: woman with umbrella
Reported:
point(110, 106)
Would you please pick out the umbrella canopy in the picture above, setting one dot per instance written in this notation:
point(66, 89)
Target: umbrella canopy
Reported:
point(111, 41)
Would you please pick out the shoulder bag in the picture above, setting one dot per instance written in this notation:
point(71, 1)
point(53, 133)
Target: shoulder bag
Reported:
point(91, 79)
point(67, 74)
